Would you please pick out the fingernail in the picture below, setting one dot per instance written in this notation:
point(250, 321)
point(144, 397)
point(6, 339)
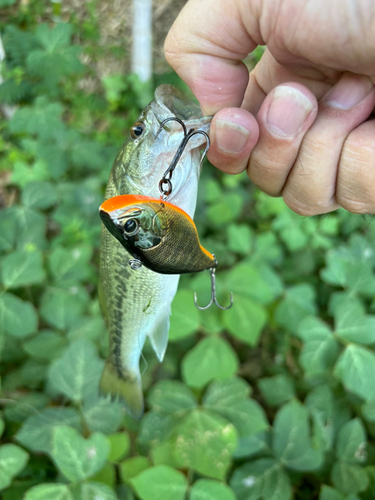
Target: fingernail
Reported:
point(288, 111)
point(230, 137)
point(348, 91)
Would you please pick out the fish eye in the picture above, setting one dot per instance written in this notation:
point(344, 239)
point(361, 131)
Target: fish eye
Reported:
point(137, 130)
point(131, 227)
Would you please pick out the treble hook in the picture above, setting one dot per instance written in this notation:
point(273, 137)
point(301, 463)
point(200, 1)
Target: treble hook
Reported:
point(213, 294)
point(167, 176)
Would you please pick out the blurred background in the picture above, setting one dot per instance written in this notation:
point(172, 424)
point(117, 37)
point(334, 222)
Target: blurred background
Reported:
point(271, 400)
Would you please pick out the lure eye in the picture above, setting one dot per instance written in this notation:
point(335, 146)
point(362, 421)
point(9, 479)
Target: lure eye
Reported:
point(131, 227)
point(137, 130)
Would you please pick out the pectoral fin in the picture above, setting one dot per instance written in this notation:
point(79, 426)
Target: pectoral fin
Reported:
point(159, 336)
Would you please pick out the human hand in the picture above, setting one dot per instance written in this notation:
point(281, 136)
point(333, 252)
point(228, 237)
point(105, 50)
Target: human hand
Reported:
point(317, 156)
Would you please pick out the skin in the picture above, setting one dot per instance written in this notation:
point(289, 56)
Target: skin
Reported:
point(300, 122)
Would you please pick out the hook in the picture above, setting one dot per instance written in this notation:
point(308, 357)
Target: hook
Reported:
point(213, 294)
point(167, 176)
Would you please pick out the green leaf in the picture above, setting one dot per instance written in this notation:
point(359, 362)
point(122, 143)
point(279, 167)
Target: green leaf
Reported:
point(12, 460)
point(25, 405)
point(246, 320)
point(156, 427)
point(208, 489)
point(120, 446)
point(329, 493)
point(47, 345)
point(298, 303)
point(8, 229)
point(42, 119)
point(22, 268)
point(230, 399)
point(239, 238)
point(99, 414)
point(31, 228)
point(226, 210)
point(48, 491)
point(171, 396)
point(348, 478)
point(61, 308)
point(185, 316)
point(206, 443)
point(17, 317)
point(39, 195)
point(351, 442)
point(276, 390)
point(160, 483)
point(132, 467)
point(78, 372)
point(352, 324)
point(257, 282)
point(260, 480)
point(211, 358)
point(291, 438)
point(356, 370)
point(78, 458)
point(70, 266)
point(368, 411)
point(2, 426)
point(36, 432)
point(97, 491)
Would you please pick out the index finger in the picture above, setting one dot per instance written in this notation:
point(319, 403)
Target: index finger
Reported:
point(205, 47)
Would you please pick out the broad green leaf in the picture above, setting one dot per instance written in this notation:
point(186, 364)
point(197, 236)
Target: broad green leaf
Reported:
point(106, 475)
point(46, 345)
point(299, 302)
point(260, 480)
point(249, 446)
point(61, 308)
point(12, 460)
point(120, 446)
point(22, 268)
point(48, 491)
point(184, 317)
point(42, 119)
point(160, 483)
point(276, 390)
point(230, 399)
point(156, 427)
point(132, 467)
point(329, 493)
point(313, 328)
point(208, 489)
point(246, 320)
point(206, 443)
point(39, 195)
point(55, 38)
point(77, 373)
point(291, 438)
point(36, 432)
point(356, 370)
point(31, 228)
point(100, 414)
point(239, 238)
point(78, 458)
point(25, 405)
point(8, 229)
point(227, 209)
point(17, 317)
point(70, 266)
point(211, 358)
point(97, 491)
point(351, 442)
point(171, 396)
point(368, 411)
point(352, 324)
point(294, 230)
point(348, 478)
point(2, 425)
point(256, 282)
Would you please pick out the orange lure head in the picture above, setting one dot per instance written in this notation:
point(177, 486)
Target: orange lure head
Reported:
point(161, 235)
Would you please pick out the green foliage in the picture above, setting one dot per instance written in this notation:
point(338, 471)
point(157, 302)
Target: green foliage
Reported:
point(271, 400)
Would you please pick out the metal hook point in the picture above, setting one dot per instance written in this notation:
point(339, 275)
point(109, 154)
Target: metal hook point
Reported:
point(213, 294)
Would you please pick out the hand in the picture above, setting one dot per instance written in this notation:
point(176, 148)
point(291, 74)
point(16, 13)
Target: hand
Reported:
point(317, 156)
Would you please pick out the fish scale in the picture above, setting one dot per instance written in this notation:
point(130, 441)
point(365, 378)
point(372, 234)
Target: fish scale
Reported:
point(137, 303)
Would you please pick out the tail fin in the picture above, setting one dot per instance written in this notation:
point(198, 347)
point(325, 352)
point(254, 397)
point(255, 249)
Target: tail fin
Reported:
point(124, 385)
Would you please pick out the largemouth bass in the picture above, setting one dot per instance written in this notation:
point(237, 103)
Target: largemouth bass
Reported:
point(137, 303)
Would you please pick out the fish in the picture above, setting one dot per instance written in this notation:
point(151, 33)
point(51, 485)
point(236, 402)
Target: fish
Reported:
point(158, 234)
point(137, 303)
